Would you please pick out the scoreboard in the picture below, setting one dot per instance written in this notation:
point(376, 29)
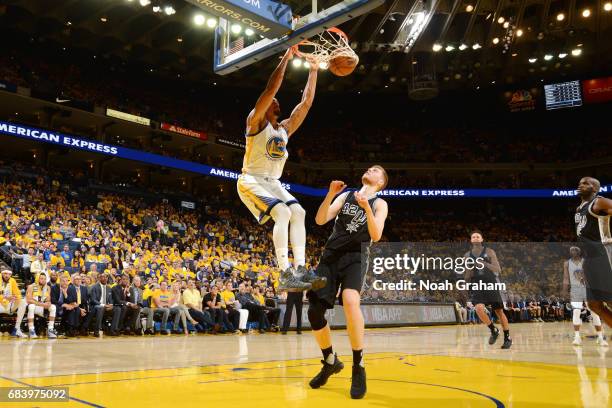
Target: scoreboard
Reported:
point(563, 95)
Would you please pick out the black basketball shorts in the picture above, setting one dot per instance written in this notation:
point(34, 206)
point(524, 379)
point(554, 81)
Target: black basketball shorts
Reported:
point(343, 270)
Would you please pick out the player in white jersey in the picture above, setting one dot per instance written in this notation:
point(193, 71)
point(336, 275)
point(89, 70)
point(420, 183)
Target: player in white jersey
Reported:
point(573, 277)
point(259, 187)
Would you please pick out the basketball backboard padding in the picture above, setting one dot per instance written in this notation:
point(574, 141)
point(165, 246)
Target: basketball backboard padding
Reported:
point(304, 28)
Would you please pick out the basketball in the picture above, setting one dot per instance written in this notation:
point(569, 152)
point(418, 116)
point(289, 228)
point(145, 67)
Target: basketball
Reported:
point(343, 65)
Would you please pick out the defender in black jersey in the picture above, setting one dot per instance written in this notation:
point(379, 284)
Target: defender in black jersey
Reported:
point(488, 274)
point(592, 221)
point(360, 217)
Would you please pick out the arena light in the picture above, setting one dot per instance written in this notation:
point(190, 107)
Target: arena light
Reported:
point(145, 3)
point(296, 62)
point(476, 46)
point(436, 47)
point(607, 6)
point(519, 33)
point(306, 64)
point(157, 9)
point(236, 28)
point(323, 65)
point(562, 55)
point(199, 19)
point(501, 20)
point(103, 19)
point(506, 24)
point(495, 40)
point(249, 32)
point(560, 17)
point(449, 48)
point(548, 57)
point(532, 60)
point(211, 22)
point(576, 52)
point(469, 8)
point(462, 47)
point(586, 13)
point(169, 10)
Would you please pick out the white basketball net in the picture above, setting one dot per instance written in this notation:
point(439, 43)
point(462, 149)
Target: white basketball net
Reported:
point(326, 46)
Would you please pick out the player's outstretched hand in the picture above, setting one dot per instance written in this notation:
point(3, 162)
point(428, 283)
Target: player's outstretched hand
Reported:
point(362, 200)
point(289, 53)
point(336, 187)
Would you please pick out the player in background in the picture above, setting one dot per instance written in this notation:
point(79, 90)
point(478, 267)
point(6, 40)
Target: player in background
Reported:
point(573, 281)
point(489, 275)
point(592, 219)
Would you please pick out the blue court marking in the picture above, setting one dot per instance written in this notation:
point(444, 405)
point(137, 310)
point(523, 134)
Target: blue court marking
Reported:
point(498, 403)
point(240, 369)
point(91, 404)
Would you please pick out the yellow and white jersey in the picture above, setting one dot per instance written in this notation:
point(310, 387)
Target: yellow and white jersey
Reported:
point(266, 152)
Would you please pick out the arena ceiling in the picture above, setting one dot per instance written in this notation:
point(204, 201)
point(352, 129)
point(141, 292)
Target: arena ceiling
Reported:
point(478, 42)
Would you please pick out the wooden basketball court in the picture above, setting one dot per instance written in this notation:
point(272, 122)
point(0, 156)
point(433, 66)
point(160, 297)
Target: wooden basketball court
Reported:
point(450, 366)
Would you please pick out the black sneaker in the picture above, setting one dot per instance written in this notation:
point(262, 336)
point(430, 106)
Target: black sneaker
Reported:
point(494, 336)
point(327, 371)
point(288, 282)
point(358, 382)
point(308, 276)
point(507, 343)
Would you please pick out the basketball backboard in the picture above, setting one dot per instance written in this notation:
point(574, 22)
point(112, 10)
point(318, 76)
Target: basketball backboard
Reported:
point(237, 46)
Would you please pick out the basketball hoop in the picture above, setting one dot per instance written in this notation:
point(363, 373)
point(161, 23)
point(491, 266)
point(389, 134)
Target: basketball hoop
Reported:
point(326, 46)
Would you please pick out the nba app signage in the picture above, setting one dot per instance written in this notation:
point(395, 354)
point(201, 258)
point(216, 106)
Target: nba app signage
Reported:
point(266, 17)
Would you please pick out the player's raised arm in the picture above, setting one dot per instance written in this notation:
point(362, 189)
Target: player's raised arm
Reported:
point(265, 99)
point(376, 221)
point(327, 210)
point(301, 110)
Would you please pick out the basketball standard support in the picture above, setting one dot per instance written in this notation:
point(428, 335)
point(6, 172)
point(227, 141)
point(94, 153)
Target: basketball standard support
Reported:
point(306, 27)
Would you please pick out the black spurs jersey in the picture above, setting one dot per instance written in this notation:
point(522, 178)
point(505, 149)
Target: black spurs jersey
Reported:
point(350, 227)
point(591, 227)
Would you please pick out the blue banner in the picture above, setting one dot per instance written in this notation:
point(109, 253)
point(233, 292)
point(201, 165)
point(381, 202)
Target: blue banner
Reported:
point(75, 142)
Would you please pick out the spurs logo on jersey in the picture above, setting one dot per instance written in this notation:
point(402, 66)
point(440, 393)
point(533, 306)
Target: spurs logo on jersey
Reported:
point(359, 217)
point(580, 221)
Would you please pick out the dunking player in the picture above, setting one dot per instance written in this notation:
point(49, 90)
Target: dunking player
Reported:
point(488, 274)
point(259, 187)
point(359, 217)
point(592, 220)
point(573, 280)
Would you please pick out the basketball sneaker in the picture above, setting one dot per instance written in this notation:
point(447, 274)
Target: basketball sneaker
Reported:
point(309, 276)
point(602, 342)
point(288, 282)
point(51, 334)
point(494, 336)
point(18, 333)
point(32, 334)
point(358, 382)
point(577, 341)
point(327, 371)
point(507, 343)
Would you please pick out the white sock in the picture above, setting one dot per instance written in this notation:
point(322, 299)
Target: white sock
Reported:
point(50, 325)
point(600, 334)
point(282, 258)
point(577, 334)
point(280, 234)
point(30, 326)
point(297, 234)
